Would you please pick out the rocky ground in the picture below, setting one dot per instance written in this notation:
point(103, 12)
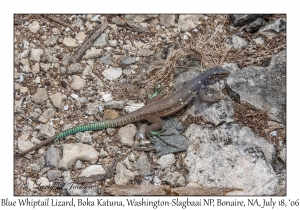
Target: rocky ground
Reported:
point(64, 78)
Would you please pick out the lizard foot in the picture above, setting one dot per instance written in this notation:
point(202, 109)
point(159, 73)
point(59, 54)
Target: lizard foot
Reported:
point(156, 91)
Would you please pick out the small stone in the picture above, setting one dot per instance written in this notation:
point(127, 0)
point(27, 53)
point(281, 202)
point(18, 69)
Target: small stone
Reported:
point(75, 68)
point(238, 42)
point(95, 18)
point(144, 52)
point(156, 181)
point(101, 41)
point(24, 89)
point(78, 83)
point(259, 41)
point(70, 42)
point(112, 73)
point(110, 114)
point(188, 22)
point(107, 59)
point(167, 20)
point(115, 105)
point(113, 43)
point(53, 174)
point(166, 161)
point(92, 108)
point(40, 96)
point(35, 54)
point(107, 97)
point(92, 170)
point(45, 66)
point(282, 154)
point(58, 99)
point(175, 179)
point(93, 53)
point(34, 27)
point(128, 60)
point(143, 165)
point(76, 151)
point(24, 145)
point(103, 153)
point(123, 175)
point(126, 134)
point(83, 137)
point(43, 181)
point(80, 36)
point(87, 71)
point(46, 131)
point(78, 164)
point(51, 41)
point(55, 31)
point(47, 115)
point(35, 68)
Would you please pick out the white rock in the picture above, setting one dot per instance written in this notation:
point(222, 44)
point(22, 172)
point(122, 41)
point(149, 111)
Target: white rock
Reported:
point(112, 73)
point(58, 99)
point(80, 36)
point(34, 27)
point(134, 106)
point(126, 134)
point(166, 161)
point(70, 42)
point(43, 181)
point(107, 97)
point(78, 83)
point(92, 170)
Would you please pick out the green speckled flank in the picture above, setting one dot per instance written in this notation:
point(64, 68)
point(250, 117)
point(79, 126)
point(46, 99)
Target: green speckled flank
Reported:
point(88, 127)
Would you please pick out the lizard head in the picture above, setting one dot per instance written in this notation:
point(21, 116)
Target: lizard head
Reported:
point(216, 74)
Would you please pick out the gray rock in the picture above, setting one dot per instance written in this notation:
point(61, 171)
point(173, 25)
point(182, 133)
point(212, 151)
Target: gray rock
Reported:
point(46, 131)
point(35, 114)
point(113, 43)
point(167, 20)
point(76, 151)
point(70, 42)
point(128, 60)
point(101, 41)
point(143, 165)
point(35, 54)
point(262, 87)
point(43, 181)
point(53, 174)
point(115, 105)
point(26, 67)
point(74, 189)
point(123, 176)
point(78, 164)
point(47, 115)
point(38, 165)
point(52, 157)
point(93, 53)
point(45, 66)
point(75, 68)
point(58, 100)
point(166, 161)
point(35, 69)
point(24, 145)
point(84, 138)
point(40, 96)
point(230, 156)
point(255, 25)
point(188, 22)
point(185, 76)
point(103, 153)
point(78, 83)
point(92, 170)
point(144, 52)
point(93, 108)
point(107, 59)
point(273, 28)
point(51, 41)
point(34, 26)
point(172, 135)
point(48, 55)
point(238, 42)
point(112, 73)
point(243, 19)
point(175, 179)
point(126, 134)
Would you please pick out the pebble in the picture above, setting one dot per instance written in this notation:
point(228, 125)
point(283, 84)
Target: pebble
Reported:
point(47, 115)
point(35, 54)
point(80, 36)
point(143, 165)
point(24, 145)
point(107, 59)
point(103, 153)
point(174, 178)
point(35, 68)
point(78, 83)
point(84, 138)
point(43, 181)
point(113, 43)
point(101, 41)
point(24, 89)
point(77, 151)
point(55, 31)
point(34, 27)
point(58, 99)
point(126, 135)
point(167, 20)
point(92, 108)
point(46, 131)
point(128, 60)
point(95, 18)
point(259, 41)
point(123, 176)
point(92, 170)
point(51, 41)
point(115, 105)
point(40, 96)
point(144, 52)
point(187, 22)
point(112, 73)
point(166, 161)
point(70, 42)
point(93, 53)
point(107, 97)
point(53, 174)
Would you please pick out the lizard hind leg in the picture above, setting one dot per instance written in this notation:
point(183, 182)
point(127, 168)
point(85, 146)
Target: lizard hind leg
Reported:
point(153, 129)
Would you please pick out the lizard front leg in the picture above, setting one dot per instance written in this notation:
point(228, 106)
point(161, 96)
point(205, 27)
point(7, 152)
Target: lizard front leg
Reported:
point(204, 98)
point(154, 128)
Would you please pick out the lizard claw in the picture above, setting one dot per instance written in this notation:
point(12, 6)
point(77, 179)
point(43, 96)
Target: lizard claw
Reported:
point(159, 135)
point(156, 91)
